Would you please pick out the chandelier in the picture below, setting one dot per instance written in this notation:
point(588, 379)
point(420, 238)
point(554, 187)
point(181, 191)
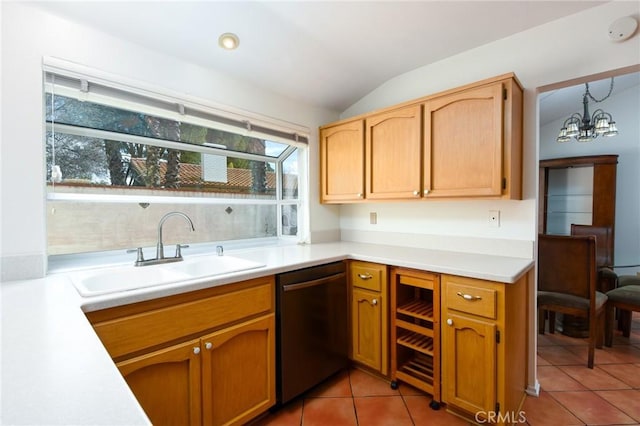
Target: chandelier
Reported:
point(587, 127)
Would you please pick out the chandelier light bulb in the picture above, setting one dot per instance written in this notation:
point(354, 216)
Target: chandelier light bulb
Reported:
point(613, 130)
point(586, 127)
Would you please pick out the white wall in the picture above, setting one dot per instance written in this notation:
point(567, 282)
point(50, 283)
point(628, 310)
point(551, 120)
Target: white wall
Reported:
point(550, 53)
point(29, 34)
point(625, 109)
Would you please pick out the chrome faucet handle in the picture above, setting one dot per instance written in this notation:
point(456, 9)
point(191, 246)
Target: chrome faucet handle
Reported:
point(219, 250)
point(140, 255)
point(179, 248)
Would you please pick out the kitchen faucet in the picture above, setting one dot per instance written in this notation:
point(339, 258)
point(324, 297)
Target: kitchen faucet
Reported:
point(160, 247)
point(160, 258)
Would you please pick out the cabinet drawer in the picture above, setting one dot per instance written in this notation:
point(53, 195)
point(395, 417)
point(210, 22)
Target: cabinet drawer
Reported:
point(128, 334)
point(472, 299)
point(367, 275)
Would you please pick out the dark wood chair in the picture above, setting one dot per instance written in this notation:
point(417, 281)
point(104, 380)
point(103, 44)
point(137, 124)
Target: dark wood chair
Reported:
point(567, 279)
point(627, 299)
point(624, 315)
point(607, 278)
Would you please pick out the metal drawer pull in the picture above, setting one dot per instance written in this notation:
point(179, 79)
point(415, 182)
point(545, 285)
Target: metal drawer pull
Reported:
point(374, 302)
point(365, 276)
point(468, 296)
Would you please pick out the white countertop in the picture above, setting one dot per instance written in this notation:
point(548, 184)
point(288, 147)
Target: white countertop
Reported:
point(55, 370)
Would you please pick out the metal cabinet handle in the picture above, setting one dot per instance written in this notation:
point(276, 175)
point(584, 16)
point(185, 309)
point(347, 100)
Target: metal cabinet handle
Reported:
point(365, 276)
point(373, 302)
point(416, 193)
point(208, 345)
point(449, 321)
point(468, 296)
point(359, 194)
point(196, 350)
point(426, 191)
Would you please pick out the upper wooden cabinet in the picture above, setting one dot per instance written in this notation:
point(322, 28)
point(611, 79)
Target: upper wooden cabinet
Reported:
point(342, 162)
point(393, 149)
point(462, 143)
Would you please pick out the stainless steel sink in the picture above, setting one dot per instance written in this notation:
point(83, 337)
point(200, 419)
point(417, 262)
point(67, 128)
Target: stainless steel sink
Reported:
point(125, 278)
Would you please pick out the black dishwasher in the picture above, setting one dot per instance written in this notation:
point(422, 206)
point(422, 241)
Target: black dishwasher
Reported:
point(311, 338)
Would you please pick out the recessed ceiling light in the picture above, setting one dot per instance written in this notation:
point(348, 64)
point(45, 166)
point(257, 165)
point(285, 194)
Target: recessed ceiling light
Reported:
point(228, 41)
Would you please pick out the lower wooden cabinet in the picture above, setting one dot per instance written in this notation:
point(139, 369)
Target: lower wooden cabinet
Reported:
point(167, 383)
point(238, 371)
point(471, 373)
point(369, 315)
point(221, 373)
point(484, 347)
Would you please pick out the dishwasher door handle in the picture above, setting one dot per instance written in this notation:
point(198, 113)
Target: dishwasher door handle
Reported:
point(312, 283)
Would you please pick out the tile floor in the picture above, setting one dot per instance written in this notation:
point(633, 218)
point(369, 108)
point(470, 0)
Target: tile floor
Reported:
point(571, 394)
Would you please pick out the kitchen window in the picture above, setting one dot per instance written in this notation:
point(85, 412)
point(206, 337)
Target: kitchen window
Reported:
point(119, 157)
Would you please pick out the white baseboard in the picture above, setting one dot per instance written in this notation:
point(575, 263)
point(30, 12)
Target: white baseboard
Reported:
point(534, 390)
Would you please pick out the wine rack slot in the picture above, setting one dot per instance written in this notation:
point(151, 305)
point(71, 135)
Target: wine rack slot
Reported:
point(415, 330)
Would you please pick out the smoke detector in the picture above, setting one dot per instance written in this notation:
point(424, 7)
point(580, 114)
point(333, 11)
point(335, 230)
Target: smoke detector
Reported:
point(623, 28)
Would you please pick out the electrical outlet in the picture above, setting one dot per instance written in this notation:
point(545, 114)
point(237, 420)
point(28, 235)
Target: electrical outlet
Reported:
point(373, 218)
point(494, 218)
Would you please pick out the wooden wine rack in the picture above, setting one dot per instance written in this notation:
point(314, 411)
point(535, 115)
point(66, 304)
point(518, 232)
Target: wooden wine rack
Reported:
point(415, 331)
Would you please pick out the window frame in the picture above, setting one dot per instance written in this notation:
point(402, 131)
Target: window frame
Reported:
point(255, 126)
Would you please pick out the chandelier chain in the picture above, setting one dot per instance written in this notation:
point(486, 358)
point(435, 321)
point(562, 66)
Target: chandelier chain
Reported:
point(596, 100)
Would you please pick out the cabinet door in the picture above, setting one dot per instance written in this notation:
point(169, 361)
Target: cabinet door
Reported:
point(463, 143)
point(342, 162)
point(393, 154)
point(167, 383)
point(469, 363)
point(366, 323)
point(238, 370)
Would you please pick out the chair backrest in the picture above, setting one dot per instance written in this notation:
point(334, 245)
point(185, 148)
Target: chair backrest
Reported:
point(604, 248)
point(567, 264)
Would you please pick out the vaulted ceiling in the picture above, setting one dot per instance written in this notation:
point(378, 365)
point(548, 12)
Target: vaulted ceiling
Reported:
point(323, 53)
